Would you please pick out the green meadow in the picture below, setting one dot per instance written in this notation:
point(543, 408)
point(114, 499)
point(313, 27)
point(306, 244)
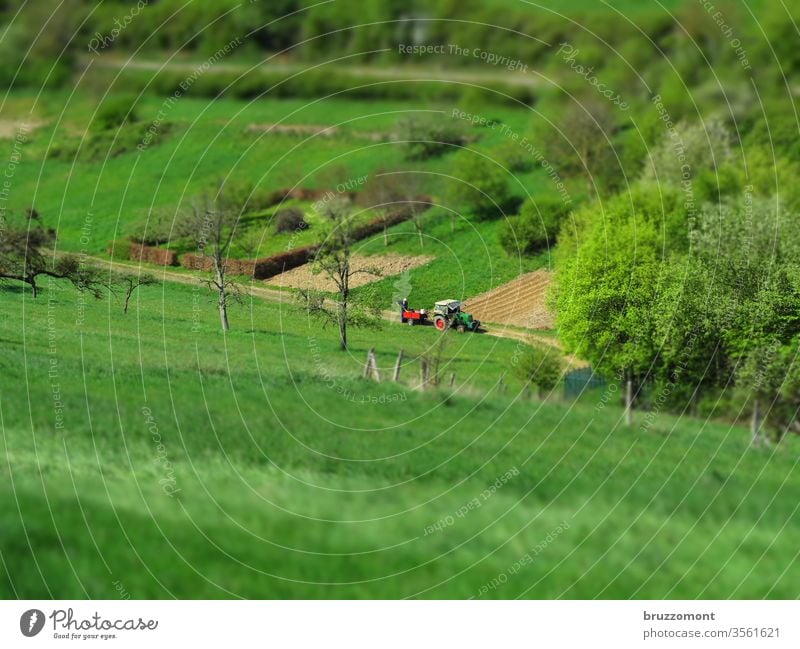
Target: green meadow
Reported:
point(152, 452)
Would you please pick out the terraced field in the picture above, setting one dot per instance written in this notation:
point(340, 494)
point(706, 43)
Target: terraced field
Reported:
point(520, 302)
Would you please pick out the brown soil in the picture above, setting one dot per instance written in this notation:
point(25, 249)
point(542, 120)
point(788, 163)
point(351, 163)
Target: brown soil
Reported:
point(293, 129)
point(520, 302)
point(313, 129)
point(384, 265)
point(10, 128)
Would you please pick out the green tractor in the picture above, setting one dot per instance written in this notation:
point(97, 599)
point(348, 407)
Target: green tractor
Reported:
point(448, 314)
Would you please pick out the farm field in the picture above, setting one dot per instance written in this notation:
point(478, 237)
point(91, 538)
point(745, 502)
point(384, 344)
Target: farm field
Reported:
point(210, 214)
point(98, 496)
point(520, 302)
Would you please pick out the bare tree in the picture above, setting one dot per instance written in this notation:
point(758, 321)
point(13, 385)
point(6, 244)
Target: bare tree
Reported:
point(334, 260)
point(212, 226)
point(409, 189)
point(381, 194)
point(129, 283)
point(390, 191)
point(26, 255)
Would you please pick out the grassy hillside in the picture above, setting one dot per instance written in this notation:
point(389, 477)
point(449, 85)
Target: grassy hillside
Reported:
point(93, 187)
point(468, 259)
point(285, 484)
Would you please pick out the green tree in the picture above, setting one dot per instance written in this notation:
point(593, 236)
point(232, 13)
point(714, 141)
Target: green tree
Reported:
point(535, 228)
point(430, 136)
point(608, 279)
point(480, 186)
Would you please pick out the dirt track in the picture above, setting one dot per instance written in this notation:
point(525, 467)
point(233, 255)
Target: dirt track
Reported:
point(384, 265)
point(520, 302)
point(277, 295)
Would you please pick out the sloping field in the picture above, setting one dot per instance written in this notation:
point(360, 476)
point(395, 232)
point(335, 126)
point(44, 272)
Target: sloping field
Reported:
point(373, 267)
point(520, 302)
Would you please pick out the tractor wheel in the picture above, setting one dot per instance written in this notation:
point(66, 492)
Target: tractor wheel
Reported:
point(439, 323)
point(411, 322)
point(461, 329)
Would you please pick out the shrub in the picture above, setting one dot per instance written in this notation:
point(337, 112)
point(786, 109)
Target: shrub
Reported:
point(540, 366)
point(535, 228)
point(120, 249)
point(243, 196)
point(153, 228)
point(514, 157)
point(429, 137)
point(290, 219)
point(480, 186)
point(114, 112)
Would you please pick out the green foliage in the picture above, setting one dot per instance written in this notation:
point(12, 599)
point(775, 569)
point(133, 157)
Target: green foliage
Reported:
point(156, 227)
point(684, 319)
point(770, 377)
point(605, 292)
point(114, 112)
point(689, 150)
point(535, 228)
point(479, 187)
point(120, 249)
point(290, 219)
point(429, 136)
point(243, 196)
point(541, 366)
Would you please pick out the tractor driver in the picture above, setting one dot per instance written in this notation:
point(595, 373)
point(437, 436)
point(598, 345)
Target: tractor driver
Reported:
point(403, 309)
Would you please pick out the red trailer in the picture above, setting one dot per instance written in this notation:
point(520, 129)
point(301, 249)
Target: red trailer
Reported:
point(413, 316)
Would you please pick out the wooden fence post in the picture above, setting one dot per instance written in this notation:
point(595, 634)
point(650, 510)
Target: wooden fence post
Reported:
point(452, 379)
point(502, 383)
point(755, 424)
point(398, 363)
point(366, 365)
point(423, 373)
point(371, 366)
point(629, 402)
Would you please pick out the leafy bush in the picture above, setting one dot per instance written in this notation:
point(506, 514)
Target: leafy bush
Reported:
point(243, 196)
point(114, 112)
point(103, 145)
point(154, 228)
point(290, 219)
point(120, 249)
point(429, 137)
point(705, 146)
point(535, 228)
point(514, 157)
point(480, 186)
point(541, 366)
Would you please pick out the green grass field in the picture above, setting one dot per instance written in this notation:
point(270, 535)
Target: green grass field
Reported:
point(292, 477)
point(94, 188)
point(152, 455)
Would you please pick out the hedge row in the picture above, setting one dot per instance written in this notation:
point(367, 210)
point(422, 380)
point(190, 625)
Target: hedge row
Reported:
point(160, 256)
point(255, 268)
point(270, 266)
point(305, 194)
point(307, 85)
